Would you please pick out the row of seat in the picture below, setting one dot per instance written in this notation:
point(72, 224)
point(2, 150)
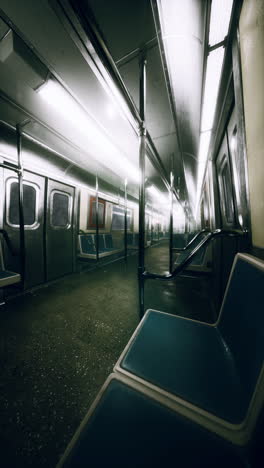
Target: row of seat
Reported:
point(7, 277)
point(87, 245)
point(183, 393)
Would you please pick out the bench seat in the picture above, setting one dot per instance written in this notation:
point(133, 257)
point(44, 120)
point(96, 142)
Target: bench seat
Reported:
point(216, 371)
point(184, 367)
point(87, 246)
point(8, 277)
point(129, 427)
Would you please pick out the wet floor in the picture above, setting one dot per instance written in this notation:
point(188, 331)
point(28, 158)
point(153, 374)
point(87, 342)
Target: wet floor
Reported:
point(60, 342)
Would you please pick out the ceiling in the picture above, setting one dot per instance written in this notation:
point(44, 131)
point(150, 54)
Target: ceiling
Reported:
point(128, 29)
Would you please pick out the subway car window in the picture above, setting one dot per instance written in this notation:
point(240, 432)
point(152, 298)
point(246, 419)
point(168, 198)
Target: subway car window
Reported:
point(29, 205)
point(118, 218)
point(60, 210)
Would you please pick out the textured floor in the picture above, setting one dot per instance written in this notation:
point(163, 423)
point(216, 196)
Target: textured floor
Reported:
point(57, 347)
point(59, 343)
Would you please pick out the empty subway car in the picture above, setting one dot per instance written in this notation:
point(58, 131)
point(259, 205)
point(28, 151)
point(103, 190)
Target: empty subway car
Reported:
point(131, 233)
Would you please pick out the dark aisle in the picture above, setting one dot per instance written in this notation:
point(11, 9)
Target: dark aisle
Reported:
point(59, 343)
point(57, 347)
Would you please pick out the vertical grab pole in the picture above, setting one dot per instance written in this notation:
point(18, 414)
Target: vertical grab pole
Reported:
point(20, 206)
point(171, 221)
point(97, 218)
point(125, 238)
point(142, 153)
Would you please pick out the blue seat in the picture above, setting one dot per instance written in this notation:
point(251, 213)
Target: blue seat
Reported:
point(109, 241)
point(7, 278)
point(87, 244)
point(214, 368)
point(129, 428)
point(102, 247)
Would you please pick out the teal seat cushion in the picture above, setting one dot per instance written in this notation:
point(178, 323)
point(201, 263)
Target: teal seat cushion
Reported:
point(128, 429)
point(87, 245)
point(189, 360)
point(6, 274)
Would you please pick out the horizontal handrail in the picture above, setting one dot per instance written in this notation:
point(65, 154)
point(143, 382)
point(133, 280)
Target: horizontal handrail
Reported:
point(8, 242)
point(193, 239)
point(211, 235)
point(11, 167)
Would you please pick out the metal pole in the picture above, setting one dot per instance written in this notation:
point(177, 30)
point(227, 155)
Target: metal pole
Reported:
point(20, 206)
point(125, 231)
point(171, 221)
point(142, 153)
point(97, 219)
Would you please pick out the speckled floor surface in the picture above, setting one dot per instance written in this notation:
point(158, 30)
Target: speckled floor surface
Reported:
point(57, 347)
point(59, 343)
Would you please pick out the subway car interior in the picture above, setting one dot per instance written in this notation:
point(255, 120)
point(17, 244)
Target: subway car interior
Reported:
point(131, 233)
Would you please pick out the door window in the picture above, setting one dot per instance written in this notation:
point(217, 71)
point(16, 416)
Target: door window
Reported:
point(60, 210)
point(30, 204)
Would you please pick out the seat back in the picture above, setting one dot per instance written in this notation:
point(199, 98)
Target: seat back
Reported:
point(101, 242)
point(108, 241)
point(2, 265)
point(87, 244)
point(241, 320)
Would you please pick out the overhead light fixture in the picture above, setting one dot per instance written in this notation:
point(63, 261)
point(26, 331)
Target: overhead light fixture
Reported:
point(107, 153)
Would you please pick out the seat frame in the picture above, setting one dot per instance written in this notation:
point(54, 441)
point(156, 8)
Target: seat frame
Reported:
point(239, 434)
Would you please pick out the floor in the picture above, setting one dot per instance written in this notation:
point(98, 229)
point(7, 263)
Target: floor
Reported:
point(58, 343)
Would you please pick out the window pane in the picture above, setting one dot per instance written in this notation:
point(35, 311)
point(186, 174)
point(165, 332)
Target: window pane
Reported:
point(100, 213)
point(29, 204)
point(60, 216)
point(118, 218)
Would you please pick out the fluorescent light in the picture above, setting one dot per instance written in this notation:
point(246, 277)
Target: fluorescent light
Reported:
point(212, 80)
point(61, 101)
point(219, 20)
